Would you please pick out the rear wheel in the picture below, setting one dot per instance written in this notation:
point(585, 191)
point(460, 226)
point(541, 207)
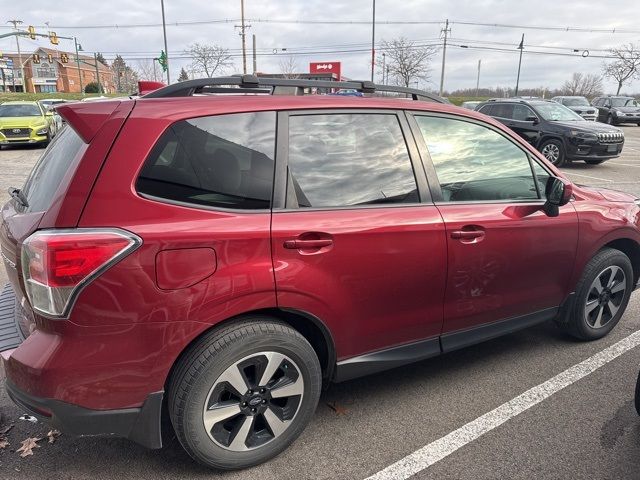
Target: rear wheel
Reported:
point(244, 393)
point(602, 295)
point(593, 162)
point(553, 150)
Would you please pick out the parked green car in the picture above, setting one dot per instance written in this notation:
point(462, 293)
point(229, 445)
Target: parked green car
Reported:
point(25, 123)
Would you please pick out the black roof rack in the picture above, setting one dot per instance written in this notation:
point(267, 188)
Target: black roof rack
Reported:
point(278, 86)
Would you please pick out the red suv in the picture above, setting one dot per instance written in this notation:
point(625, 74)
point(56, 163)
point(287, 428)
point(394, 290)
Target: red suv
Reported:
point(218, 255)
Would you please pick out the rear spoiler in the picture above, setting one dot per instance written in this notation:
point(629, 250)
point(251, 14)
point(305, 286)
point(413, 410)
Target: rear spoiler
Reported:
point(147, 86)
point(86, 118)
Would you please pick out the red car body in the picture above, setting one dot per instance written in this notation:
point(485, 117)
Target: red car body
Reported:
point(384, 278)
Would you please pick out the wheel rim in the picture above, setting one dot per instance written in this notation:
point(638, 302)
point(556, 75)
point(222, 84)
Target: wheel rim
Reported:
point(551, 152)
point(605, 296)
point(253, 402)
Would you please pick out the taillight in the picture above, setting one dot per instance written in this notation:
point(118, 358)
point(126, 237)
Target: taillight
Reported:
point(57, 264)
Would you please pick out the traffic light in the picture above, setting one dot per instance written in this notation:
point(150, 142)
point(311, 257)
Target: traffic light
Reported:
point(64, 58)
point(162, 60)
point(36, 58)
point(49, 58)
point(32, 32)
point(53, 38)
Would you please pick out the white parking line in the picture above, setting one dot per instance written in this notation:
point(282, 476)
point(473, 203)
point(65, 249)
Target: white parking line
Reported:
point(445, 446)
point(588, 176)
point(623, 164)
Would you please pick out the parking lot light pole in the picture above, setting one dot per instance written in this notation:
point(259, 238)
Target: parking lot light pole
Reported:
point(373, 40)
point(521, 48)
point(166, 50)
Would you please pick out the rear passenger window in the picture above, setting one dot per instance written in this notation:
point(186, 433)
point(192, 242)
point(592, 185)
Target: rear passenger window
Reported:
point(343, 160)
point(223, 161)
point(502, 110)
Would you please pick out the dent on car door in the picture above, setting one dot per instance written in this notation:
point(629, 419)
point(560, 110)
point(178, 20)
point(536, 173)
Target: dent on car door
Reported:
point(354, 245)
point(506, 258)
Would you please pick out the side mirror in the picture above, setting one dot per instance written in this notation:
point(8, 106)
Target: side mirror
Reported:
point(533, 119)
point(558, 193)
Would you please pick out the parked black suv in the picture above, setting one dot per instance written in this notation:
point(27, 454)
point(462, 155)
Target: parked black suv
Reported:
point(556, 131)
point(617, 109)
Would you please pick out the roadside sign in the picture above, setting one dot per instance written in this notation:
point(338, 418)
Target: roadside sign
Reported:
point(326, 67)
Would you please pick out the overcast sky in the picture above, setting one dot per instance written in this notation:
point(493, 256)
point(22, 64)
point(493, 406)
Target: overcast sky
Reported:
point(498, 68)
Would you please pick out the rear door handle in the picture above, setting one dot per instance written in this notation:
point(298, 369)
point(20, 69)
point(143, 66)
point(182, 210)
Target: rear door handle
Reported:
point(467, 234)
point(311, 243)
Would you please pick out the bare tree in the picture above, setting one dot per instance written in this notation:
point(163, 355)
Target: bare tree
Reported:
point(289, 67)
point(149, 70)
point(625, 66)
point(208, 59)
point(586, 85)
point(406, 61)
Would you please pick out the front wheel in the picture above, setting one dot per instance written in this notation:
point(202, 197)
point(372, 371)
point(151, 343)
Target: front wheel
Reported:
point(553, 150)
point(602, 295)
point(243, 394)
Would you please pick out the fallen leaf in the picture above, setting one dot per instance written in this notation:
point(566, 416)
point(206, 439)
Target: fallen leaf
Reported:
point(340, 410)
point(53, 434)
point(28, 445)
point(4, 443)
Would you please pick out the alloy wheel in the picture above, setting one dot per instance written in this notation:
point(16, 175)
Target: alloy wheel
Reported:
point(551, 152)
point(253, 402)
point(605, 296)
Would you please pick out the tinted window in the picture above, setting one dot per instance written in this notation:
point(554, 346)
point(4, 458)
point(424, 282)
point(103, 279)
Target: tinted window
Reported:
point(221, 161)
point(46, 176)
point(475, 163)
point(522, 112)
point(503, 110)
point(348, 159)
point(487, 109)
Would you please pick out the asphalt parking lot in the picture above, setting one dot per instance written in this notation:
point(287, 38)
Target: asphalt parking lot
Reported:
point(589, 429)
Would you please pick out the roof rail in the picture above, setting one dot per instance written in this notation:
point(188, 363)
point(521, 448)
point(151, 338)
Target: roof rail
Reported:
point(278, 86)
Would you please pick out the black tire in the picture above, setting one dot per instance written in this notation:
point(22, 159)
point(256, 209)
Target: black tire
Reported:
point(553, 151)
point(576, 321)
point(593, 162)
point(637, 397)
point(219, 351)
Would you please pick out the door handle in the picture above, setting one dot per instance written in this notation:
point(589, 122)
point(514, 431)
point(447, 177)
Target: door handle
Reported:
point(467, 234)
point(310, 243)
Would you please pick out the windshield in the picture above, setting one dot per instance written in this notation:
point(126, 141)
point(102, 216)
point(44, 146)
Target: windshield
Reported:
point(557, 113)
point(575, 102)
point(624, 102)
point(19, 111)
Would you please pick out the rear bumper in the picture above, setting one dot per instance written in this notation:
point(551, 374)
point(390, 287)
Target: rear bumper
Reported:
point(141, 425)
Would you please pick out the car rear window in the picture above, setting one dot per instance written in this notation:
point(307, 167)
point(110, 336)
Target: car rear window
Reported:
point(223, 161)
point(47, 175)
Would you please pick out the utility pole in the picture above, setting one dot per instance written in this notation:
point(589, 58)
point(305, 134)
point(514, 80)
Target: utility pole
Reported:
point(387, 81)
point(521, 48)
point(166, 50)
point(384, 57)
point(255, 58)
point(75, 41)
point(478, 79)
point(15, 24)
point(243, 35)
point(446, 31)
point(373, 40)
point(95, 58)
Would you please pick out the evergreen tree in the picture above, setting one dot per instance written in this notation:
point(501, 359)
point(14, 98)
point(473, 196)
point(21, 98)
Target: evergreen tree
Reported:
point(183, 75)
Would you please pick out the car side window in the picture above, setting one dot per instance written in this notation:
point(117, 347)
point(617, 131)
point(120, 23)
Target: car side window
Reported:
point(223, 161)
point(522, 112)
point(474, 163)
point(487, 109)
point(503, 110)
point(343, 160)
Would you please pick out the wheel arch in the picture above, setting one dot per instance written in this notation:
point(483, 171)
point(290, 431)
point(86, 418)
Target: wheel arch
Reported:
point(551, 136)
point(306, 324)
point(631, 249)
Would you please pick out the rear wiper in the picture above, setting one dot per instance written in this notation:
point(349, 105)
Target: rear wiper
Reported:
point(19, 196)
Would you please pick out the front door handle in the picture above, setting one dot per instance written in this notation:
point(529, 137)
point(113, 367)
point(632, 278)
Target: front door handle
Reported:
point(467, 234)
point(310, 243)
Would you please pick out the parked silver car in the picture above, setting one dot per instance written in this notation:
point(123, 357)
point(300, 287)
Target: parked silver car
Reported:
point(580, 105)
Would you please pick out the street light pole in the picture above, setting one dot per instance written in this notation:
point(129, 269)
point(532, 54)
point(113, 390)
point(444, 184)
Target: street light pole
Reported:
point(24, 80)
point(373, 40)
point(478, 79)
point(166, 50)
point(521, 47)
point(444, 55)
point(384, 58)
point(75, 41)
